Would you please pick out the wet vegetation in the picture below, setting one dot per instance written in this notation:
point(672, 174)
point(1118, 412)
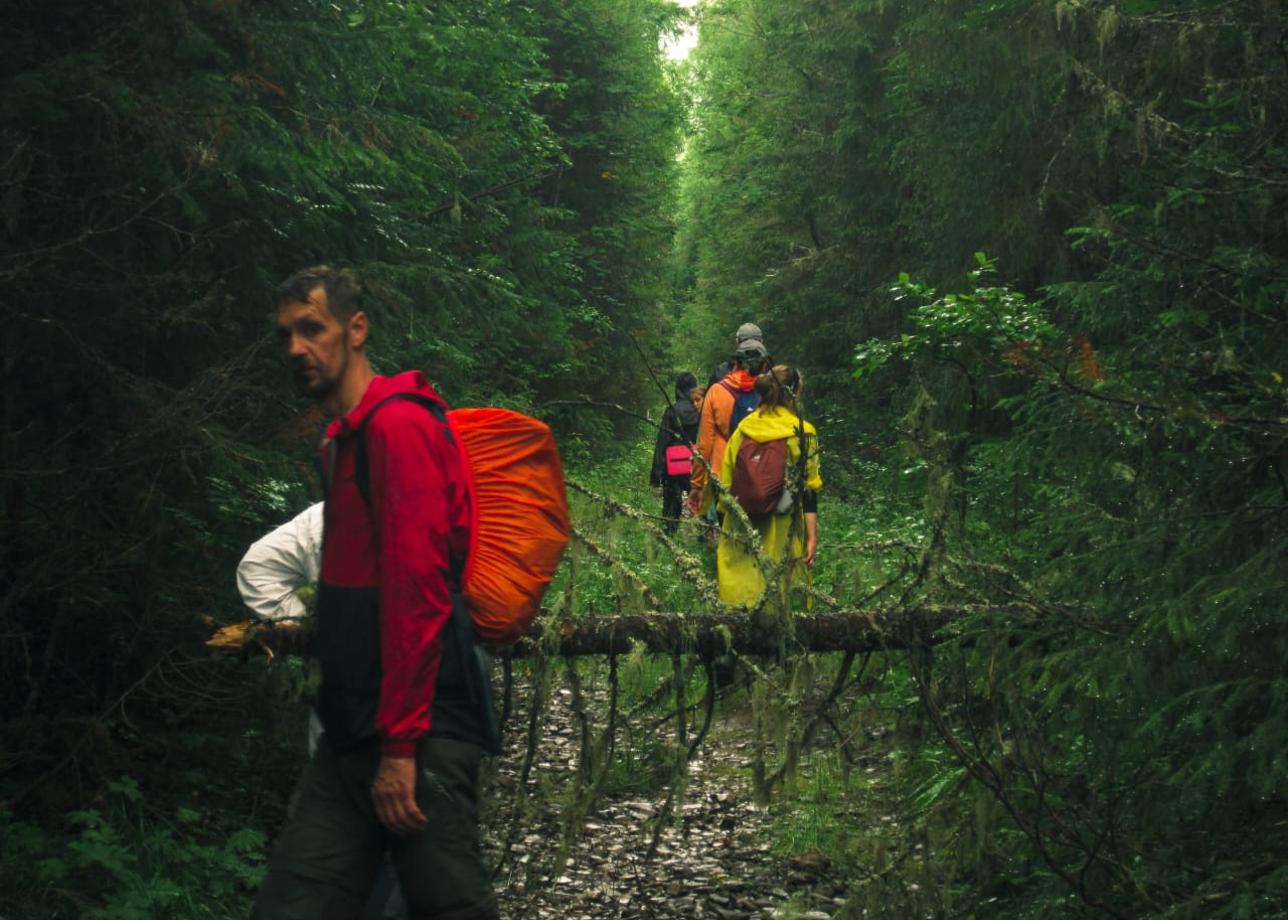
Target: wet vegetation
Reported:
point(1031, 257)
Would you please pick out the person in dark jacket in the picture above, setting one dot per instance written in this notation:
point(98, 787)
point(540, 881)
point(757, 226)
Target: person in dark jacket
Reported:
point(677, 435)
point(404, 700)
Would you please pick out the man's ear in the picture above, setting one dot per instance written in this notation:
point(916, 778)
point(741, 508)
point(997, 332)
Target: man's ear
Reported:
point(357, 330)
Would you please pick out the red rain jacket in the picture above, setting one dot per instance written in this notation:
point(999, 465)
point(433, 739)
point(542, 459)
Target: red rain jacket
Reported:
point(391, 665)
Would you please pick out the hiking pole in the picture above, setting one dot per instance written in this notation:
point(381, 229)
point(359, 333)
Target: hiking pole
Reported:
point(666, 397)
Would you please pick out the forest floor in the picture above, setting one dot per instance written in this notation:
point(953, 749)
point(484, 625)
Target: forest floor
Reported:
point(721, 856)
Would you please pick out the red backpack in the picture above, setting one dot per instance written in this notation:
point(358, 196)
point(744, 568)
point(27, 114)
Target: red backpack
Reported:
point(759, 474)
point(519, 509)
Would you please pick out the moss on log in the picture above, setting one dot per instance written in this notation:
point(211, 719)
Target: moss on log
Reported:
point(714, 634)
point(706, 634)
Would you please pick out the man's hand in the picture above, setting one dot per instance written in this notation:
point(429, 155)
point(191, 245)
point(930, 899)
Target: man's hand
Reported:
point(394, 793)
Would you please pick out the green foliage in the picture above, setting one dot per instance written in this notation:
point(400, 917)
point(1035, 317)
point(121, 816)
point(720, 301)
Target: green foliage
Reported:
point(997, 317)
point(786, 208)
point(125, 861)
point(1099, 435)
point(617, 516)
point(501, 174)
point(815, 812)
point(639, 768)
point(1095, 441)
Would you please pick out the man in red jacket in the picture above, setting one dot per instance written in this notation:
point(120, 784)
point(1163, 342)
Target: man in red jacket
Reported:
point(404, 701)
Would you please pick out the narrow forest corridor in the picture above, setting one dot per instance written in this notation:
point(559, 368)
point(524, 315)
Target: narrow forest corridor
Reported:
point(1024, 264)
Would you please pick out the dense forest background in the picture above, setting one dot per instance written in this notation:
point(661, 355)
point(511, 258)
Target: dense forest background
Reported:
point(1031, 256)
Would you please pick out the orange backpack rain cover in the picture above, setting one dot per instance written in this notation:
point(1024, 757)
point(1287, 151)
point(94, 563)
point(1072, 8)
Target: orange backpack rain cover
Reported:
point(520, 518)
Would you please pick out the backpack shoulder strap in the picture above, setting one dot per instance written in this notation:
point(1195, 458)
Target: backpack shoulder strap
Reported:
point(733, 409)
point(361, 464)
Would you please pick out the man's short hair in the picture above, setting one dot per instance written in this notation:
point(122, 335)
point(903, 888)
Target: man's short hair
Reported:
point(342, 286)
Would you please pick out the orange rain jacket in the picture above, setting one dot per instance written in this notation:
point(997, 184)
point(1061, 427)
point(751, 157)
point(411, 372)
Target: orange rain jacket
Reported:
point(713, 428)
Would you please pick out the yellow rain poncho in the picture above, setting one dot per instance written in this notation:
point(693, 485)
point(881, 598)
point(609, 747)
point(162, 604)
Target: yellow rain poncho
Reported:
point(741, 575)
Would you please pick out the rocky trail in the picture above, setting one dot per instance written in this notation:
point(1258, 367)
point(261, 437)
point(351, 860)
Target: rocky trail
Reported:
point(715, 861)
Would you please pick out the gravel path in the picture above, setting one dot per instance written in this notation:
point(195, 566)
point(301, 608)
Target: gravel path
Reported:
point(714, 862)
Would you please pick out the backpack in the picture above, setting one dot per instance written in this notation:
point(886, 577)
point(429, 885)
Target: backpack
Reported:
point(744, 403)
point(759, 475)
point(519, 513)
point(677, 456)
point(679, 460)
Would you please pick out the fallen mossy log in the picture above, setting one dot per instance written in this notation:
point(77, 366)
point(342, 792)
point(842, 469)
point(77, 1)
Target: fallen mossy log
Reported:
point(706, 634)
point(711, 634)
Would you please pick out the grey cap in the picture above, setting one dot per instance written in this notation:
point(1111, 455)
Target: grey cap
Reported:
point(751, 348)
point(748, 331)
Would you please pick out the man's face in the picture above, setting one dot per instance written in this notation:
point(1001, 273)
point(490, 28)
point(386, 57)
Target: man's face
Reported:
point(316, 345)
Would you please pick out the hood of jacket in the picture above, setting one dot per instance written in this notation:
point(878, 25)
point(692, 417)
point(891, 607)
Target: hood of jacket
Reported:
point(684, 385)
point(684, 412)
point(382, 388)
point(773, 425)
point(740, 380)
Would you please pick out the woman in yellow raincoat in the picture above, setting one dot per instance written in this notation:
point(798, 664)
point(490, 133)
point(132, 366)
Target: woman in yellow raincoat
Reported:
point(789, 535)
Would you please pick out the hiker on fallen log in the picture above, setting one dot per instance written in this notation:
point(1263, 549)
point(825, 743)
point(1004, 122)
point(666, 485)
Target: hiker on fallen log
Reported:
point(770, 468)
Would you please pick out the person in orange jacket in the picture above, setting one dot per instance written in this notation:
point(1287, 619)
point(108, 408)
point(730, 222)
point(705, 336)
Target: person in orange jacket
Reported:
point(725, 405)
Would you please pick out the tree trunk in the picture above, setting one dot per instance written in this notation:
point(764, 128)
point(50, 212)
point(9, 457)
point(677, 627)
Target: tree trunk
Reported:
point(710, 634)
point(706, 634)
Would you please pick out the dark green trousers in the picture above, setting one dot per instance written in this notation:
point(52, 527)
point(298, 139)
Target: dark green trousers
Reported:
point(332, 846)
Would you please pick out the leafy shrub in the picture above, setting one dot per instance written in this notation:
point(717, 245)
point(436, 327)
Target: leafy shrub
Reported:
point(124, 861)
